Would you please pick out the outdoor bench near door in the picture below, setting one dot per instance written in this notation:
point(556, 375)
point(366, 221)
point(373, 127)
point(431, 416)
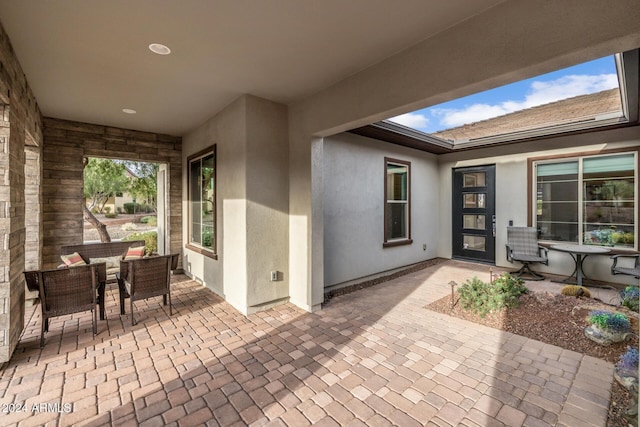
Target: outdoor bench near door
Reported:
point(96, 251)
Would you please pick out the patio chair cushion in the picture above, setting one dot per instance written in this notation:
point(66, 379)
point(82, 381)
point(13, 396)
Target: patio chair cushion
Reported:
point(112, 261)
point(134, 253)
point(73, 259)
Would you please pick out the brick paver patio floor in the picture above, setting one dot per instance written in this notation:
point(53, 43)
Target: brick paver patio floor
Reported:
point(373, 357)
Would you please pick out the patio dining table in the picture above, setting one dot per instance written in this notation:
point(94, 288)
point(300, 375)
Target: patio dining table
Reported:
point(579, 253)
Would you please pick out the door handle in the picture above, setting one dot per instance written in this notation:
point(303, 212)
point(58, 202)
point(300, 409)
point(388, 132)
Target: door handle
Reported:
point(493, 225)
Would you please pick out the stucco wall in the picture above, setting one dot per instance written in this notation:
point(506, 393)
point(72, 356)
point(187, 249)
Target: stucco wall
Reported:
point(353, 201)
point(516, 39)
point(511, 192)
point(251, 203)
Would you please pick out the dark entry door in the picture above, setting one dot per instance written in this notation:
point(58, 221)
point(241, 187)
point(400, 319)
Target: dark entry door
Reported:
point(474, 213)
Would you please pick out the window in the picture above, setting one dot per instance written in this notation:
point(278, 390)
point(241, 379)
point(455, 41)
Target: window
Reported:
point(397, 206)
point(588, 200)
point(202, 202)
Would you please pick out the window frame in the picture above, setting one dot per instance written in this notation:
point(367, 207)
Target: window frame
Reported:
point(404, 240)
point(579, 157)
point(213, 252)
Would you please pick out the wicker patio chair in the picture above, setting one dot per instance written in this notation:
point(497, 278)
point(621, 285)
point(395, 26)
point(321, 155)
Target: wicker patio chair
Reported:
point(65, 291)
point(629, 271)
point(522, 246)
point(124, 271)
point(145, 278)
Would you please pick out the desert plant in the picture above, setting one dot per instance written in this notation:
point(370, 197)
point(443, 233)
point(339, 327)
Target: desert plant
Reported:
point(129, 226)
point(150, 241)
point(111, 215)
point(628, 361)
point(107, 209)
point(630, 298)
point(606, 320)
point(576, 291)
point(482, 298)
point(150, 220)
point(131, 208)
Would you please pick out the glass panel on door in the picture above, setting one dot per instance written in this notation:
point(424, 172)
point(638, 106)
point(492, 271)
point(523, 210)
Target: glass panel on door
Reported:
point(474, 243)
point(475, 179)
point(474, 200)
point(474, 222)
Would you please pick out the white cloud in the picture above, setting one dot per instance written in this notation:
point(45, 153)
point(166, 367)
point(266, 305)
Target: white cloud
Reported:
point(412, 120)
point(540, 93)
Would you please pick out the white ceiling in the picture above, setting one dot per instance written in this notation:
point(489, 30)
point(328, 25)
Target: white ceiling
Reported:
point(86, 60)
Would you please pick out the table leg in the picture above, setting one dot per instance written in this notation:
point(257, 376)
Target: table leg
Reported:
point(581, 276)
point(122, 292)
point(101, 292)
point(579, 272)
point(576, 275)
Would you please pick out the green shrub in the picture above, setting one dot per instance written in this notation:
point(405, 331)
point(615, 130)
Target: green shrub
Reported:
point(107, 209)
point(482, 298)
point(131, 208)
point(149, 220)
point(150, 241)
point(110, 215)
point(207, 238)
point(146, 208)
point(629, 238)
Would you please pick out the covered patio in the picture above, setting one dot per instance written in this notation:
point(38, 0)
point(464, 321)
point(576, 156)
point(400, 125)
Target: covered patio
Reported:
point(372, 357)
point(272, 195)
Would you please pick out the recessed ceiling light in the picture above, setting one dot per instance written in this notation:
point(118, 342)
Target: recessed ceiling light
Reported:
point(129, 111)
point(160, 49)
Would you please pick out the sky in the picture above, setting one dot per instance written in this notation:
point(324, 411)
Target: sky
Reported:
point(590, 77)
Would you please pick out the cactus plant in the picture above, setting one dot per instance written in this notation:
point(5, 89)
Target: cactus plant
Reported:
point(576, 291)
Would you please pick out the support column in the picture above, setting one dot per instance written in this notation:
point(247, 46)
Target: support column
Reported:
point(12, 232)
point(33, 214)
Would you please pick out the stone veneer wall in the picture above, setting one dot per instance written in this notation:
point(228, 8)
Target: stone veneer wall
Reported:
point(20, 122)
point(66, 143)
point(33, 215)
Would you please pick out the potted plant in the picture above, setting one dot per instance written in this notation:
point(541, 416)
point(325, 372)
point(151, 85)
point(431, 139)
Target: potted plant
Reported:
point(607, 327)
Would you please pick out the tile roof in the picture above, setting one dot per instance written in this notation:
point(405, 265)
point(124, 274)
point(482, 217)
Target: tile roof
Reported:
point(572, 110)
